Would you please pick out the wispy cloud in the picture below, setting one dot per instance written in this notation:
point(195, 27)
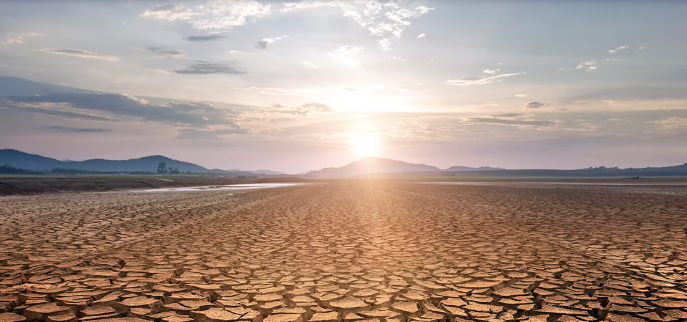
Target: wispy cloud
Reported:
point(168, 12)
point(18, 38)
point(422, 35)
point(266, 90)
point(520, 95)
point(589, 66)
point(490, 71)
point(499, 121)
point(302, 110)
point(618, 49)
point(80, 54)
point(126, 107)
point(45, 110)
point(76, 130)
point(205, 67)
point(194, 134)
point(204, 38)
point(210, 16)
point(386, 21)
point(346, 55)
point(170, 54)
point(162, 53)
point(506, 115)
point(479, 80)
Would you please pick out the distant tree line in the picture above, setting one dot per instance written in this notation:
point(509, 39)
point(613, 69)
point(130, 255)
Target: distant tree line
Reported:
point(162, 169)
point(78, 171)
point(8, 169)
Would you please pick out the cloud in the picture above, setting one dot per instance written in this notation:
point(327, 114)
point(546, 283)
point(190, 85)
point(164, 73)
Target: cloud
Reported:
point(262, 44)
point(18, 38)
point(303, 109)
point(616, 50)
point(80, 53)
point(399, 58)
point(127, 106)
point(170, 54)
point(493, 120)
point(490, 71)
point(482, 80)
point(403, 89)
point(534, 104)
point(422, 35)
point(506, 115)
point(386, 21)
point(162, 53)
point(590, 66)
point(76, 130)
point(642, 46)
point(266, 90)
point(69, 115)
point(346, 55)
point(204, 38)
point(520, 95)
point(168, 12)
point(201, 67)
point(210, 16)
point(672, 123)
point(193, 134)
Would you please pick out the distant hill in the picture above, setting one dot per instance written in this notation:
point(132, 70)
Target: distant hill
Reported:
point(23, 160)
point(463, 168)
point(370, 165)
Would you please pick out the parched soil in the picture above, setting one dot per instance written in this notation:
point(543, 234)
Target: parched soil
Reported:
point(347, 251)
point(25, 185)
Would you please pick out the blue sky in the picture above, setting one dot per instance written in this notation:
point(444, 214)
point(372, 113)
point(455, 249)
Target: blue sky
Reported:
point(295, 86)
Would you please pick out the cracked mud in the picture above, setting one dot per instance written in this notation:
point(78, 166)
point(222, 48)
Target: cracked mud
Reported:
point(365, 252)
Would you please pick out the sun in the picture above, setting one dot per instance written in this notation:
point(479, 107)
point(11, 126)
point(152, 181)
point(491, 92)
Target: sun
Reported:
point(364, 145)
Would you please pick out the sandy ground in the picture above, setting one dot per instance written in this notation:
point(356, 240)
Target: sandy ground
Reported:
point(347, 252)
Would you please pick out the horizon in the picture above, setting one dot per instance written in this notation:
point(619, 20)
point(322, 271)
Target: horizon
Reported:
point(300, 86)
point(349, 163)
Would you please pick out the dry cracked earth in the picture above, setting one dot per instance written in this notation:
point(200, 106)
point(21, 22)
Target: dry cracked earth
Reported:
point(352, 252)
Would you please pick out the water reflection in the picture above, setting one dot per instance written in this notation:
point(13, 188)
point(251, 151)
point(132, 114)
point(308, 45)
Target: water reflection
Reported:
point(247, 186)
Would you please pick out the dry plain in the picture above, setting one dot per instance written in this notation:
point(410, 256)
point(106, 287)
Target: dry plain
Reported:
point(382, 252)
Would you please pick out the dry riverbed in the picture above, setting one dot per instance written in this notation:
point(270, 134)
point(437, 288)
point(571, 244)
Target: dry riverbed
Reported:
point(347, 251)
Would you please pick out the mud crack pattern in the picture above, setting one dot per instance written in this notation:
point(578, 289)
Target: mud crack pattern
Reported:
point(352, 252)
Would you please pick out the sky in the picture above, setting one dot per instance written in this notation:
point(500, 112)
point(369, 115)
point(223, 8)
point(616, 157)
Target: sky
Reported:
point(298, 86)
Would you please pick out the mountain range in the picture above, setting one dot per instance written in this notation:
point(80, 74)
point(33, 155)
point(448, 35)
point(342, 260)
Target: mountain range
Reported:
point(364, 166)
point(27, 161)
point(371, 165)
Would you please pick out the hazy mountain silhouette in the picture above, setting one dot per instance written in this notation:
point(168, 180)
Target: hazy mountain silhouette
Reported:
point(464, 168)
point(23, 160)
point(371, 165)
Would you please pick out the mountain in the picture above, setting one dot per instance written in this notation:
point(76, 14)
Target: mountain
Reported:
point(371, 165)
point(23, 160)
point(464, 168)
point(258, 172)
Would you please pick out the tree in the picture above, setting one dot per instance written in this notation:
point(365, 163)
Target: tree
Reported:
point(162, 167)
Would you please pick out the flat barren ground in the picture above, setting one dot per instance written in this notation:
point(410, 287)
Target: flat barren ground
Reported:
point(347, 252)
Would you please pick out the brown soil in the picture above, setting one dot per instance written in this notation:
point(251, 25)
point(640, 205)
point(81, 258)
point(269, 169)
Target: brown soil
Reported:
point(347, 251)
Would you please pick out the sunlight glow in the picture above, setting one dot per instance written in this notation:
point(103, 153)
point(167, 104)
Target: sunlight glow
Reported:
point(364, 145)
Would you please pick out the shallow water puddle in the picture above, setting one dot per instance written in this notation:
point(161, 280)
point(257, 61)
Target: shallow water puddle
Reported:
point(247, 186)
